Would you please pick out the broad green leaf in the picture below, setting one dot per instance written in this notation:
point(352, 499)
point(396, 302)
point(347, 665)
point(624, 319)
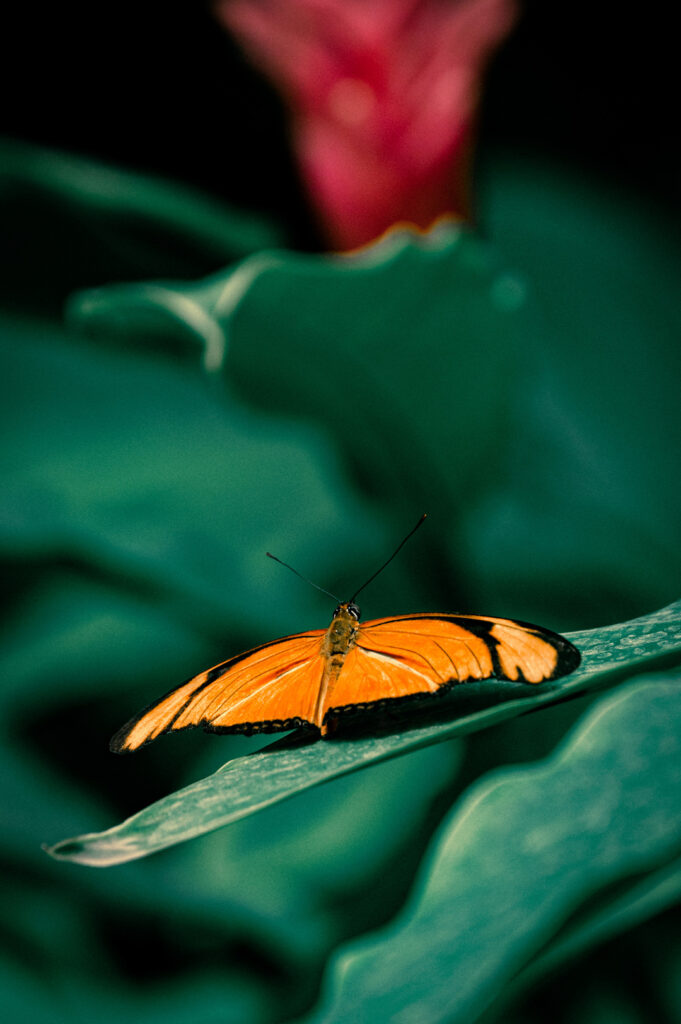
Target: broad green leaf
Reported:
point(448, 381)
point(525, 849)
point(376, 321)
point(248, 784)
point(640, 901)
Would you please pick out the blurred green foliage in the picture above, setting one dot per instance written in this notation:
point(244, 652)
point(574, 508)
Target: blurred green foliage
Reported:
point(521, 389)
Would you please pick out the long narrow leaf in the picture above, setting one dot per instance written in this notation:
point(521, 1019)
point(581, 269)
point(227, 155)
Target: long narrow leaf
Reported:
point(248, 784)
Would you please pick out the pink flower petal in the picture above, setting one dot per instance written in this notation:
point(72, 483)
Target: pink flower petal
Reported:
point(382, 95)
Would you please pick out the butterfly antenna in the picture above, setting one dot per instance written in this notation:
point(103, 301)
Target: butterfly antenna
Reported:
point(315, 585)
point(400, 545)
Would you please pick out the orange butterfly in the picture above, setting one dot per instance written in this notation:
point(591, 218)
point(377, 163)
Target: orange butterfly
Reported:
point(309, 679)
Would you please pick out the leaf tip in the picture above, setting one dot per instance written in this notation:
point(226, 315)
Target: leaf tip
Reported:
point(68, 849)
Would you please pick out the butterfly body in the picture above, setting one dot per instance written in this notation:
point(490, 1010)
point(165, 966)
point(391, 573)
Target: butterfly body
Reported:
point(340, 638)
point(309, 679)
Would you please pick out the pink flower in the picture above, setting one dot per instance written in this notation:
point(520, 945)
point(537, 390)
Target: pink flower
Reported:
point(382, 96)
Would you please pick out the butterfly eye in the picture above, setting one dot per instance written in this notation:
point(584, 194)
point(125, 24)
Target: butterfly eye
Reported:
point(354, 610)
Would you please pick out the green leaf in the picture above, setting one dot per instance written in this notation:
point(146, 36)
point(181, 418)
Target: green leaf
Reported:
point(449, 383)
point(286, 327)
point(74, 222)
point(526, 848)
point(246, 785)
point(638, 902)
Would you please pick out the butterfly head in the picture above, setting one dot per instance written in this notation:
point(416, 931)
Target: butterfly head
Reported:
point(348, 608)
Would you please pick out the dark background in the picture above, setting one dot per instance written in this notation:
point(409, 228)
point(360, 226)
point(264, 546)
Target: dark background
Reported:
point(163, 88)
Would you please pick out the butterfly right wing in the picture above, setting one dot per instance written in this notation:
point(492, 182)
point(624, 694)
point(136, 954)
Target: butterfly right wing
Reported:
point(411, 655)
point(267, 689)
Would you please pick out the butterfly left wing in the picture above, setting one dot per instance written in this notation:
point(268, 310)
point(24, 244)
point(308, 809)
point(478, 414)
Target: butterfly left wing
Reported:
point(267, 689)
point(419, 654)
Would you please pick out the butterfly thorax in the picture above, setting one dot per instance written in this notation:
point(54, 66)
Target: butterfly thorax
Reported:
point(342, 633)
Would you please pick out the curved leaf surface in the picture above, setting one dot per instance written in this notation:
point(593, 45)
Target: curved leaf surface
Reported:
point(640, 901)
point(524, 850)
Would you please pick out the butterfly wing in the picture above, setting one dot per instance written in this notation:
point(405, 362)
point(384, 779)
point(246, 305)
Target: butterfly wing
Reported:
point(420, 654)
point(267, 689)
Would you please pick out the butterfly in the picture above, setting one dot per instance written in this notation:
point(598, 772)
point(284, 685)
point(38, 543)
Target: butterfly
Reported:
point(311, 679)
